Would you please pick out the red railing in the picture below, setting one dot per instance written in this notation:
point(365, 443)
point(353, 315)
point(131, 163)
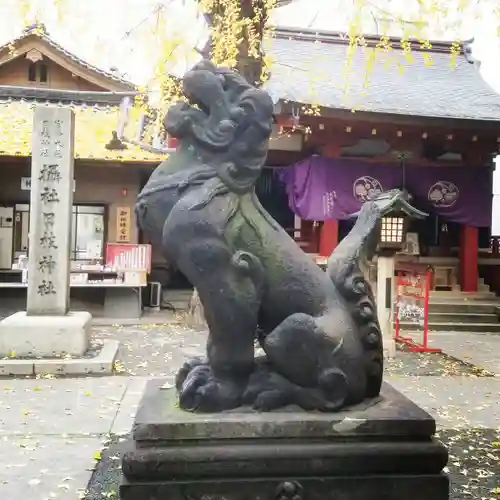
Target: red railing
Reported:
point(412, 306)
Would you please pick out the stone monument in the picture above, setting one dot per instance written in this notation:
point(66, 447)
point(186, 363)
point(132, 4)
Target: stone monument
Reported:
point(47, 328)
point(309, 419)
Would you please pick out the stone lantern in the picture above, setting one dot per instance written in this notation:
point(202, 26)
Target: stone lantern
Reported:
point(396, 214)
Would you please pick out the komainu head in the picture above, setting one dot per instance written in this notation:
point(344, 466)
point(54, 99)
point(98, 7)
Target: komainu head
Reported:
point(227, 122)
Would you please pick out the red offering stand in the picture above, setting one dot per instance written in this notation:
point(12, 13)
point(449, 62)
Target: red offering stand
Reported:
point(412, 306)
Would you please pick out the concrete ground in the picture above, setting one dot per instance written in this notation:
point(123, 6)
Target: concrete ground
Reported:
point(62, 438)
point(479, 349)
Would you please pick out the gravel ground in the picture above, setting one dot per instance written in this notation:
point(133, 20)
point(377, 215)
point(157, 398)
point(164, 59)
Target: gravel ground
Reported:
point(160, 350)
point(107, 476)
point(474, 465)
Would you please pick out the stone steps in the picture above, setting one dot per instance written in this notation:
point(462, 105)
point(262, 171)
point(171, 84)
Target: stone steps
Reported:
point(461, 312)
point(473, 307)
point(462, 317)
point(448, 326)
point(461, 296)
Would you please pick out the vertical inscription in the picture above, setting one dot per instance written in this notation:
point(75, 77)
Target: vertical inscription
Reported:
point(123, 224)
point(51, 206)
point(50, 176)
point(329, 200)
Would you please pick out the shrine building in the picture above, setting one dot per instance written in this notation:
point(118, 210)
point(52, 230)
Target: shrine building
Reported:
point(36, 70)
point(423, 121)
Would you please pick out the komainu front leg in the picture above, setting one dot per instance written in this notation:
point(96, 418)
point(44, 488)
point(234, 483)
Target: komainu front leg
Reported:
point(200, 389)
point(230, 291)
point(204, 392)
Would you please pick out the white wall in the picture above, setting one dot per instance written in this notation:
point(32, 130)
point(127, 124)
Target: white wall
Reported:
point(6, 224)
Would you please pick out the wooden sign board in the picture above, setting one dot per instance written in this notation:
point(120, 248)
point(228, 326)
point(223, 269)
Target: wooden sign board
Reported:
point(123, 223)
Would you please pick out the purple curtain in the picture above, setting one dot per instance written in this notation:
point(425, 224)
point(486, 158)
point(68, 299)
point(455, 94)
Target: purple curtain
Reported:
point(458, 194)
point(322, 188)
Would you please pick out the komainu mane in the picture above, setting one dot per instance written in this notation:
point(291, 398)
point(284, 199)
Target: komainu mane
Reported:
point(319, 330)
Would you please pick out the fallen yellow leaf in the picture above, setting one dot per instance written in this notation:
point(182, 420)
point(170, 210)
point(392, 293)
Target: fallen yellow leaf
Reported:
point(119, 367)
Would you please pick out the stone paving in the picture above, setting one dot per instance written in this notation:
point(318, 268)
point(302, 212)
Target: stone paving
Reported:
point(160, 349)
point(476, 348)
point(52, 432)
point(55, 432)
point(152, 350)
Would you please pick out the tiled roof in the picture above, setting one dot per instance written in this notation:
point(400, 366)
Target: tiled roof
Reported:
point(308, 72)
point(14, 92)
point(39, 32)
point(93, 130)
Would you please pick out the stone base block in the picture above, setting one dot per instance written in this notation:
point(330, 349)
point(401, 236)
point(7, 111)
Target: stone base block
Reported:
point(44, 336)
point(16, 367)
point(389, 346)
point(101, 364)
point(383, 449)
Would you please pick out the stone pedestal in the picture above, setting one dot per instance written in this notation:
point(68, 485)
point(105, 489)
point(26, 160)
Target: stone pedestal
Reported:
point(45, 336)
point(381, 450)
point(385, 302)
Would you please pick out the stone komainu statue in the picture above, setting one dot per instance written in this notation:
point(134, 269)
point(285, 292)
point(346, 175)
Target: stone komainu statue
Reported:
point(319, 330)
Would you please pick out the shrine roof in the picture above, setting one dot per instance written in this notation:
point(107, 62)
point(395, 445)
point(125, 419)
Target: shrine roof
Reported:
point(94, 126)
point(37, 36)
point(312, 68)
point(63, 96)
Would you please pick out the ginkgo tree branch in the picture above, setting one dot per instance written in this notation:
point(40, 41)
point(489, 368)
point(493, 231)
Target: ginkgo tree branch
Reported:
point(239, 28)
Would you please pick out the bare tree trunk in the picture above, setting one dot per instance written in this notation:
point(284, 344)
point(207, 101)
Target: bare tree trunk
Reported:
point(248, 65)
point(196, 315)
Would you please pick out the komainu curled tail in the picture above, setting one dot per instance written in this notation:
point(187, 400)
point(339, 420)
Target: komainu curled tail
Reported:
point(347, 268)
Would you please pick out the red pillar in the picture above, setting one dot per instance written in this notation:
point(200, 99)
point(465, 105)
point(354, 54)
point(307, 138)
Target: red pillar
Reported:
point(469, 249)
point(328, 237)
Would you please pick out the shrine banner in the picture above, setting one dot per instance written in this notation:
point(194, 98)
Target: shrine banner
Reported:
point(322, 188)
point(458, 194)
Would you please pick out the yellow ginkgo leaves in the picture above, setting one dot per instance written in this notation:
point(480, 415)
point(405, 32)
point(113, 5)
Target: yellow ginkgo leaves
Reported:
point(93, 130)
